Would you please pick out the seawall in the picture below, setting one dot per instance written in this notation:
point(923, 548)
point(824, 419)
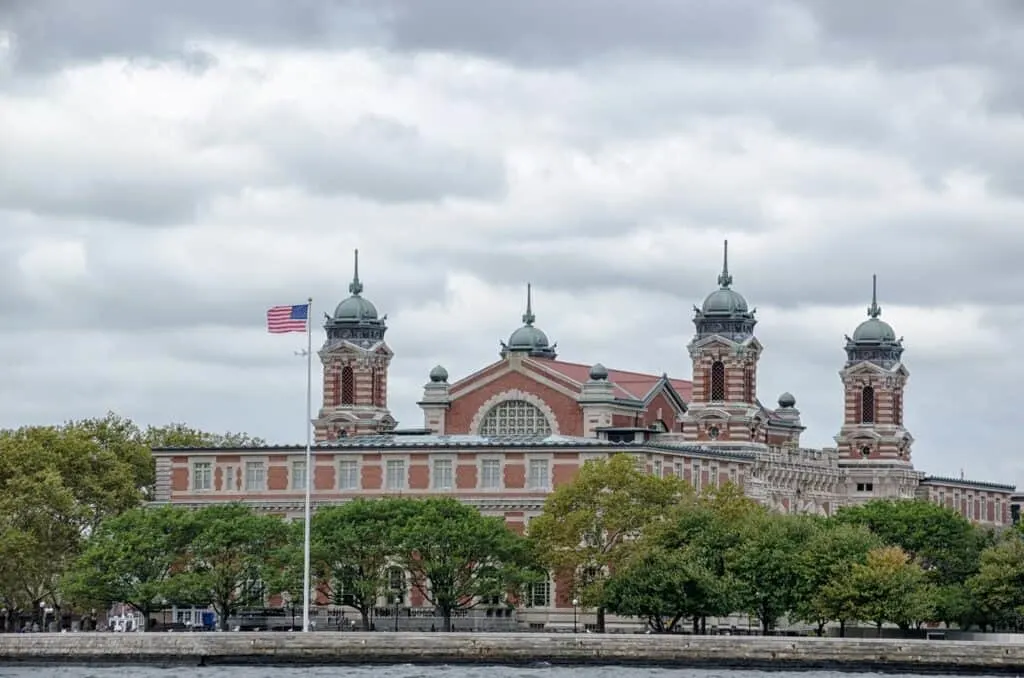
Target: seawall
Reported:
point(196, 649)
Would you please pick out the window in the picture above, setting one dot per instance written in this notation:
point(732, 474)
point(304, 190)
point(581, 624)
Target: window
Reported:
point(897, 408)
point(537, 479)
point(713, 479)
point(230, 484)
point(999, 510)
point(490, 474)
point(396, 585)
point(375, 388)
point(538, 594)
point(442, 475)
point(202, 475)
point(348, 475)
point(695, 477)
point(298, 475)
point(515, 417)
point(395, 474)
point(348, 386)
point(717, 381)
point(677, 468)
point(748, 384)
point(865, 487)
point(867, 405)
point(657, 468)
point(255, 476)
point(732, 476)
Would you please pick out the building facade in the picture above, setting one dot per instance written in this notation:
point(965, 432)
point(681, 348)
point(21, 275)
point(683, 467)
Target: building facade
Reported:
point(504, 436)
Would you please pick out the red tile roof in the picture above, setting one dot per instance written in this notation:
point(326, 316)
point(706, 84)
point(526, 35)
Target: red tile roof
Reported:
point(628, 384)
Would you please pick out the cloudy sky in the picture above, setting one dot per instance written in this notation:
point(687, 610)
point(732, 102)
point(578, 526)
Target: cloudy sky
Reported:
point(170, 170)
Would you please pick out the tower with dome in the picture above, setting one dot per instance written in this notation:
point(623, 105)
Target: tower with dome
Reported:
point(355, 361)
point(874, 446)
point(724, 352)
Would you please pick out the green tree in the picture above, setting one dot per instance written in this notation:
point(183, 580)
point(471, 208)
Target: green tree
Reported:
point(944, 542)
point(352, 546)
point(662, 587)
point(997, 590)
point(181, 435)
point(230, 559)
point(130, 559)
point(591, 525)
point(58, 484)
point(709, 528)
point(765, 566)
point(458, 558)
point(890, 587)
point(824, 566)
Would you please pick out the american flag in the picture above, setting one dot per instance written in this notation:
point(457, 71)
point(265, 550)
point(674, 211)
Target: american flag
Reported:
point(282, 319)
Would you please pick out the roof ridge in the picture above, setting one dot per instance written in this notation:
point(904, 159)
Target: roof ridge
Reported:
point(615, 369)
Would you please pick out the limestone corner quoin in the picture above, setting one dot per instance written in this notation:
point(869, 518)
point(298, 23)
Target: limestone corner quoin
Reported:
point(913, 656)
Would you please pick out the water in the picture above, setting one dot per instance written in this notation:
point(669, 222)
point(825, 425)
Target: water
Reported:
point(408, 671)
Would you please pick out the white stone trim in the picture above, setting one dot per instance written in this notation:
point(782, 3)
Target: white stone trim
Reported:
point(548, 460)
point(480, 472)
point(354, 459)
point(710, 412)
point(453, 464)
point(244, 462)
point(385, 460)
point(514, 394)
point(192, 463)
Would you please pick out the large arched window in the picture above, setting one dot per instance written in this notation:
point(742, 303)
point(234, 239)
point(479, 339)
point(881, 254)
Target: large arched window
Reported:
point(867, 405)
point(348, 386)
point(515, 417)
point(717, 381)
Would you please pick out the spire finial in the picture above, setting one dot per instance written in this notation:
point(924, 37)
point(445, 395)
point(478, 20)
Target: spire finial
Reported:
point(724, 280)
point(356, 287)
point(528, 317)
point(874, 310)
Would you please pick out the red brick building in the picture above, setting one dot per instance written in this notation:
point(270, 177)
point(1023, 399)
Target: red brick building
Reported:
point(502, 437)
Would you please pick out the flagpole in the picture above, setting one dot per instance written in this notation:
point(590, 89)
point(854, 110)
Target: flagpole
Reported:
point(309, 468)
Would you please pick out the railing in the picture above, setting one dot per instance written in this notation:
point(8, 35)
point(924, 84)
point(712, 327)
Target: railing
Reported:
point(496, 619)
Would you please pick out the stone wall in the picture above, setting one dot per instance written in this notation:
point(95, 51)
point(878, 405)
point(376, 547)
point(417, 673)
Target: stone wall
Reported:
point(913, 656)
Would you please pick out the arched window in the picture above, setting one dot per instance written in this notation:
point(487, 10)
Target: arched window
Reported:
point(717, 381)
point(867, 405)
point(897, 408)
point(348, 386)
point(515, 417)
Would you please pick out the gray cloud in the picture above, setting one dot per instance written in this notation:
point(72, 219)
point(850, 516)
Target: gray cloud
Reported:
point(52, 34)
point(225, 158)
point(382, 159)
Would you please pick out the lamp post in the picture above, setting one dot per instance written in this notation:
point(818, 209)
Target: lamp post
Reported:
point(42, 615)
point(163, 611)
point(575, 607)
point(398, 599)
